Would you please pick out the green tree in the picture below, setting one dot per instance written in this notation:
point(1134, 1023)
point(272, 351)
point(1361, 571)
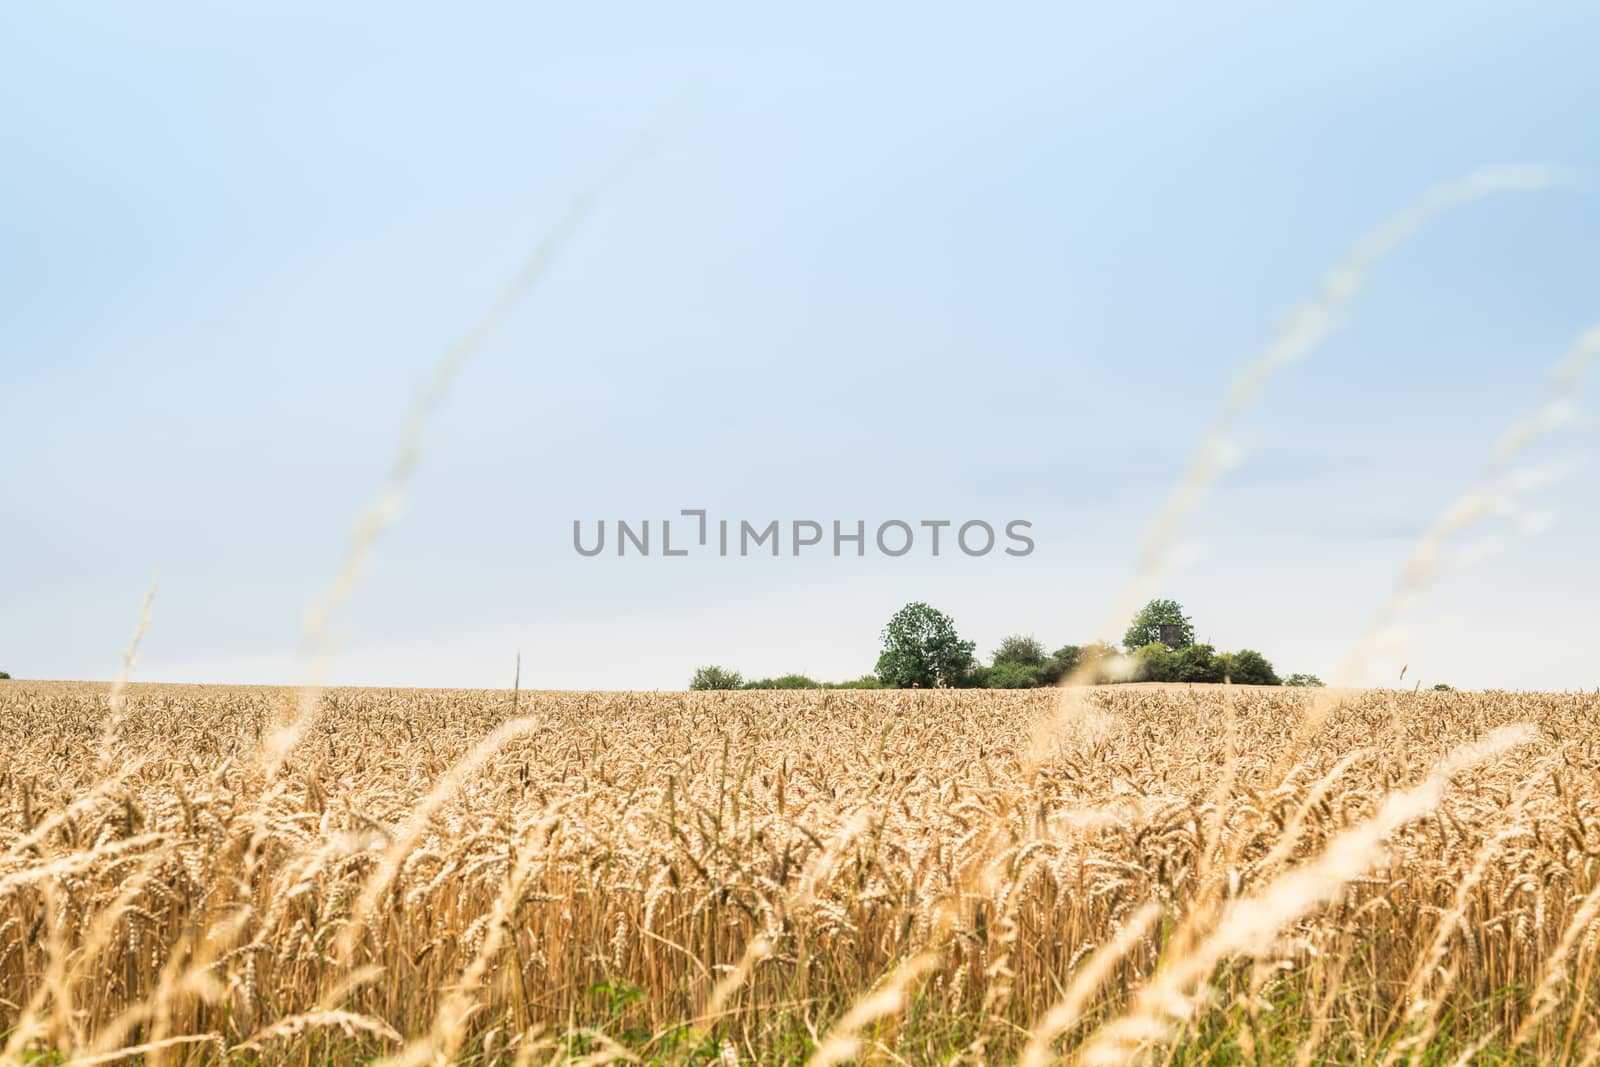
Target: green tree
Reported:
point(1443, 688)
point(1196, 663)
point(1020, 649)
point(1248, 667)
point(1146, 626)
point(1019, 663)
point(921, 648)
point(1063, 661)
point(1154, 663)
point(1009, 674)
point(4, 676)
point(716, 678)
point(1095, 659)
point(1307, 680)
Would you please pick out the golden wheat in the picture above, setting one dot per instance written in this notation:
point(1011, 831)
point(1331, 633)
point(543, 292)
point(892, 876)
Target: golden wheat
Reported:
point(772, 877)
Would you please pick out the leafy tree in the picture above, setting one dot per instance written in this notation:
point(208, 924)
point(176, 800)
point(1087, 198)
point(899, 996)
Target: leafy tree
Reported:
point(1442, 688)
point(1063, 661)
point(1309, 680)
point(1196, 663)
point(786, 681)
point(4, 676)
point(1248, 667)
point(716, 678)
point(1019, 663)
point(1019, 649)
point(1146, 626)
point(1095, 659)
point(1154, 663)
point(921, 648)
point(1009, 674)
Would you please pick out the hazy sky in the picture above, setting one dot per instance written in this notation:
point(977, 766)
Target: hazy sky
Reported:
point(988, 262)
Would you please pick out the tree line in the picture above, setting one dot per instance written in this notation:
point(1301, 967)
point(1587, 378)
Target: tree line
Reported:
point(922, 650)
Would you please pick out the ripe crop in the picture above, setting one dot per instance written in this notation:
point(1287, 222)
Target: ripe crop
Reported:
point(1096, 875)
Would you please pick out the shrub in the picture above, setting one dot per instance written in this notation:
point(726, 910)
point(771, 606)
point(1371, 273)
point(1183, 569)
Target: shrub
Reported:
point(1009, 674)
point(1248, 667)
point(1026, 651)
point(1096, 659)
point(714, 677)
point(1062, 662)
point(1153, 663)
point(1019, 663)
point(1309, 680)
point(1196, 663)
point(786, 681)
point(866, 681)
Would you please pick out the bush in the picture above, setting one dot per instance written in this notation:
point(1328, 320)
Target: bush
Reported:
point(866, 681)
point(1248, 667)
point(1096, 659)
point(1022, 650)
point(1191, 663)
point(1062, 662)
point(1442, 688)
point(1308, 680)
point(1019, 663)
point(1196, 663)
point(1009, 674)
point(716, 678)
point(1153, 663)
point(787, 681)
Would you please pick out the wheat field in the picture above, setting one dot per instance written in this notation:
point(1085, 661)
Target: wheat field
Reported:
point(1115, 874)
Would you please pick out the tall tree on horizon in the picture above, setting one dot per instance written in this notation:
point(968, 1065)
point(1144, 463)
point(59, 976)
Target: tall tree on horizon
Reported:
point(921, 648)
point(1147, 627)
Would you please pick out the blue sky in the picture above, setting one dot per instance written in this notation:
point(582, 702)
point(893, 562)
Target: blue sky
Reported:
point(908, 262)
